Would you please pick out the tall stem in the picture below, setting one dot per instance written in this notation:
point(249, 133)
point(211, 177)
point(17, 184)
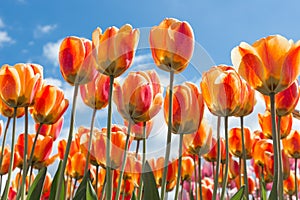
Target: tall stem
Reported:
point(296, 179)
point(30, 162)
point(200, 176)
point(64, 163)
point(90, 142)
point(22, 189)
point(137, 148)
point(218, 159)
point(244, 159)
point(169, 137)
point(179, 166)
point(225, 177)
point(124, 161)
point(143, 161)
point(108, 138)
point(274, 191)
point(5, 194)
point(280, 168)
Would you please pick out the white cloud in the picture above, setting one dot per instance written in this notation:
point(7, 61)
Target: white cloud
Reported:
point(50, 51)
point(2, 25)
point(53, 81)
point(42, 30)
point(5, 38)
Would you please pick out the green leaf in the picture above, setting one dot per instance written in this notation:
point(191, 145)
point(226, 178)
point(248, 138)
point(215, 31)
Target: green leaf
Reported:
point(133, 197)
point(54, 185)
point(90, 192)
point(81, 190)
point(150, 189)
point(239, 195)
point(191, 195)
point(36, 188)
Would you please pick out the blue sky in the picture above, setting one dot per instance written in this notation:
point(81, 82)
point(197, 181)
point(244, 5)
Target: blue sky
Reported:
point(31, 30)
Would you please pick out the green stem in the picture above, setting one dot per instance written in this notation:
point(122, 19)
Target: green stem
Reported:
point(30, 162)
point(218, 160)
point(90, 142)
point(200, 176)
point(67, 151)
point(246, 191)
point(124, 161)
point(296, 180)
point(103, 189)
point(139, 197)
point(22, 189)
point(5, 194)
point(169, 137)
point(274, 191)
point(225, 177)
point(96, 185)
point(137, 148)
point(280, 168)
point(179, 166)
point(108, 145)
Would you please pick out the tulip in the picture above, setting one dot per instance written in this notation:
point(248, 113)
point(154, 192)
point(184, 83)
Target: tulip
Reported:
point(19, 84)
point(52, 130)
point(75, 165)
point(199, 142)
point(172, 44)
point(50, 105)
point(266, 124)
point(140, 97)
point(270, 65)
point(47, 187)
point(187, 110)
point(211, 156)
point(259, 149)
point(226, 81)
point(137, 129)
point(188, 167)
point(76, 62)
point(115, 49)
point(289, 185)
point(8, 112)
point(5, 161)
point(235, 146)
point(248, 100)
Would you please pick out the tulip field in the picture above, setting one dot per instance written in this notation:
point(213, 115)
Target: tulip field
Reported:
point(214, 160)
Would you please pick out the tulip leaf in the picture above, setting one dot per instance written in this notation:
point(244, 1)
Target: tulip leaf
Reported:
point(90, 192)
point(133, 197)
point(36, 188)
point(239, 195)
point(82, 189)
point(150, 189)
point(54, 185)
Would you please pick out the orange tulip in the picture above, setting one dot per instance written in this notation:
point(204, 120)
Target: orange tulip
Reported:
point(137, 129)
point(289, 184)
point(285, 164)
point(187, 168)
point(47, 187)
point(115, 49)
point(172, 44)
point(157, 166)
point(265, 123)
point(42, 151)
point(50, 105)
point(77, 64)
point(235, 142)
point(260, 147)
point(207, 192)
point(269, 65)
point(6, 161)
point(52, 130)
point(15, 186)
point(140, 97)
point(133, 168)
point(211, 156)
point(20, 83)
point(95, 93)
point(188, 108)
point(221, 89)
point(286, 100)
point(199, 142)
point(291, 144)
point(118, 139)
point(7, 111)
point(75, 165)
